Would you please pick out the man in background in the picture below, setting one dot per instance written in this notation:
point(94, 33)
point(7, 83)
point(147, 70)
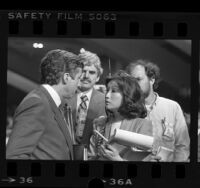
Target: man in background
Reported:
point(169, 126)
point(40, 130)
point(88, 103)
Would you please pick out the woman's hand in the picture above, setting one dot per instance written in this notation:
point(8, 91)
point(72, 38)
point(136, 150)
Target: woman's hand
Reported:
point(152, 158)
point(110, 153)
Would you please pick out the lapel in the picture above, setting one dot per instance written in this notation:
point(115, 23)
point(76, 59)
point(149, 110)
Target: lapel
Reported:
point(61, 123)
point(91, 115)
point(73, 104)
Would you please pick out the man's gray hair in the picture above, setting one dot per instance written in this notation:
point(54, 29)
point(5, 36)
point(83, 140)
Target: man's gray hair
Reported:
point(89, 58)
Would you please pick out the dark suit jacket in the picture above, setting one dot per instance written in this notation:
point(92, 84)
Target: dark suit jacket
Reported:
point(96, 108)
point(40, 131)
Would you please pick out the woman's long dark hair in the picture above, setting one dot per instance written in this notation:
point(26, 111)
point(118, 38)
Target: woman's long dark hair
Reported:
point(133, 105)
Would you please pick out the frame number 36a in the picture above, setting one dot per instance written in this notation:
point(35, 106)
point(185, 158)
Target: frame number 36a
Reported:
point(119, 182)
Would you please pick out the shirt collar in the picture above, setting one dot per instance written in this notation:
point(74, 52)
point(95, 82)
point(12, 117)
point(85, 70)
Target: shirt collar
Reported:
point(53, 93)
point(150, 107)
point(157, 98)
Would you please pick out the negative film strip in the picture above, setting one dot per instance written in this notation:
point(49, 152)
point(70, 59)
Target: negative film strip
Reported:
point(169, 39)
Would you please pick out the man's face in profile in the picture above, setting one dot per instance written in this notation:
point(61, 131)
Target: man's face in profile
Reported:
point(72, 83)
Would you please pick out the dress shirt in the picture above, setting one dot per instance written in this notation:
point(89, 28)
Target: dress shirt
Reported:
point(53, 93)
point(169, 127)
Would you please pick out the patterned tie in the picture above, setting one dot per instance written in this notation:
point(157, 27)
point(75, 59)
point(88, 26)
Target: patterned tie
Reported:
point(83, 104)
point(81, 117)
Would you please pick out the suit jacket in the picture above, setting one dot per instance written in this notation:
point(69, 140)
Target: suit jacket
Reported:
point(96, 108)
point(40, 131)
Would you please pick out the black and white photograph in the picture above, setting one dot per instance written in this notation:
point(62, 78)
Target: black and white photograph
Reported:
point(98, 99)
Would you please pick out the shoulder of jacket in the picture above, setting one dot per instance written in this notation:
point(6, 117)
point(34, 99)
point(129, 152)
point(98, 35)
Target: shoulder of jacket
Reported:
point(99, 93)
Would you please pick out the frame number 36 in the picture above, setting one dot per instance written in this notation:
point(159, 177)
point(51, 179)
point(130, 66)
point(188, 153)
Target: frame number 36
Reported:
point(26, 180)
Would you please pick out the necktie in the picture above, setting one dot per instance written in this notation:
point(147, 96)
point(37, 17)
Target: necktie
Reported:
point(68, 115)
point(81, 117)
point(83, 105)
point(65, 111)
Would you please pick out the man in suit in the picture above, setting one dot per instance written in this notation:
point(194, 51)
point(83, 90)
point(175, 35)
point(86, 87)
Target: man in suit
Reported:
point(40, 129)
point(88, 103)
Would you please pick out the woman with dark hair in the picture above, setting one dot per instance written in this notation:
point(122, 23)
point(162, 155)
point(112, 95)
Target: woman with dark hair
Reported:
point(125, 110)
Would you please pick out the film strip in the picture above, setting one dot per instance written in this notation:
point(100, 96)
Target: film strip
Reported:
point(180, 33)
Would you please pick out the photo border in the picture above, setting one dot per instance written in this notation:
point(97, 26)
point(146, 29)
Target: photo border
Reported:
point(87, 173)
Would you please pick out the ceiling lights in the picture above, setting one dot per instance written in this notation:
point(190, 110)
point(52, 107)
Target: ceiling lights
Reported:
point(38, 45)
